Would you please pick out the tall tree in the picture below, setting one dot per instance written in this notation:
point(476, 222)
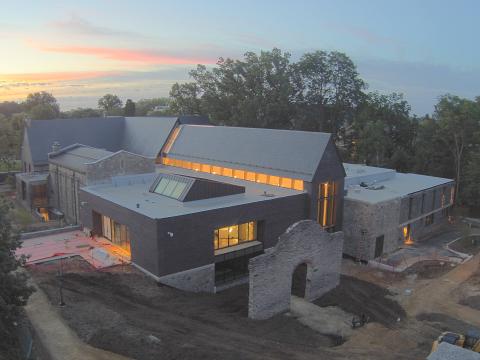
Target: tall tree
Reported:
point(41, 106)
point(328, 89)
point(471, 190)
point(459, 121)
point(129, 109)
point(110, 104)
point(14, 290)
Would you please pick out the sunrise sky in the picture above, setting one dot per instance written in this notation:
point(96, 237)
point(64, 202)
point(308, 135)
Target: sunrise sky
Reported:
point(80, 50)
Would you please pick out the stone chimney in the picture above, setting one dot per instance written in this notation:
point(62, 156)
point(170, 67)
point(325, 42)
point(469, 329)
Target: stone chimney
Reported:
point(55, 146)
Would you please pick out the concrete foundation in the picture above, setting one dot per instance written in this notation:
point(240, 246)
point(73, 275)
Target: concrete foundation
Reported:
point(201, 279)
point(271, 273)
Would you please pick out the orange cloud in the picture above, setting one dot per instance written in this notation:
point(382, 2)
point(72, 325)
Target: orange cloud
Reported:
point(129, 55)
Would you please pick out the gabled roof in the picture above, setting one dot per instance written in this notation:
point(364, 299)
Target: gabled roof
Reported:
point(75, 157)
point(146, 135)
point(140, 135)
point(106, 133)
point(294, 154)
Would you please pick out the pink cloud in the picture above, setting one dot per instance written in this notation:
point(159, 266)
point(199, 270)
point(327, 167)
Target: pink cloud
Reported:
point(129, 55)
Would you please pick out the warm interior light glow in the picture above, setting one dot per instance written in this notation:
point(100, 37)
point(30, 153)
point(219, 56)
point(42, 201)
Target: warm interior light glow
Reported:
point(234, 235)
point(325, 203)
point(260, 178)
point(407, 238)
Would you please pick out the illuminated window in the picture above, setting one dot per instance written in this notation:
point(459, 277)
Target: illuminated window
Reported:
point(298, 184)
point(327, 193)
point(234, 235)
point(236, 173)
point(274, 180)
point(407, 236)
point(117, 233)
point(262, 178)
point(239, 174)
point(286, 182)
point(250, 176)
point(206, 168)
point(227, 172)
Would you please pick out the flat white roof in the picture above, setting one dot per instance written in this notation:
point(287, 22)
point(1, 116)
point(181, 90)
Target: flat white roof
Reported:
point(128, 191)
point(389, 183)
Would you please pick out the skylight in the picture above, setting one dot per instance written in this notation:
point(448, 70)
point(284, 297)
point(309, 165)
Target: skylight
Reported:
point(170, 187)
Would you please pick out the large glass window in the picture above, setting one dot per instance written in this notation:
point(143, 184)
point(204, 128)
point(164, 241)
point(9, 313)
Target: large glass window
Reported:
point(115, 232)
point(261, 178)
point(234, 235)
point(327, 193)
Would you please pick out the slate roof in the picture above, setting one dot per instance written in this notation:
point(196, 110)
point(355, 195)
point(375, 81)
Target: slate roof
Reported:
point(294, 154)
point(105, 133)
point(146, 135)
point(75, 157)
point(140, 135)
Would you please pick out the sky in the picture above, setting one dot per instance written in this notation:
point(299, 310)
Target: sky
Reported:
point(81, 50)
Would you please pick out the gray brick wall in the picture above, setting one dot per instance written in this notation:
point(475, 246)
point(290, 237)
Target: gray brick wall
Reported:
point(271, 274)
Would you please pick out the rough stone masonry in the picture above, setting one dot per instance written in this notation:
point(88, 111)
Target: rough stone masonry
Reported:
point(305, 242)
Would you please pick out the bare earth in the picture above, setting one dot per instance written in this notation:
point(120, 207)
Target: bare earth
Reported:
point(123, 311)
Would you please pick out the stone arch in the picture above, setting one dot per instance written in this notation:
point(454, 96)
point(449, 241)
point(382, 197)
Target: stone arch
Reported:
point(270, 283)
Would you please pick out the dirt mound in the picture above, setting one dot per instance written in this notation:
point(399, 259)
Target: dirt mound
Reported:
point(444, 322)
point(360, 297)
point(128, 313)
point(471, 301)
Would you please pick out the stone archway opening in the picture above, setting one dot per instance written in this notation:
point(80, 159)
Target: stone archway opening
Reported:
point(299, 280)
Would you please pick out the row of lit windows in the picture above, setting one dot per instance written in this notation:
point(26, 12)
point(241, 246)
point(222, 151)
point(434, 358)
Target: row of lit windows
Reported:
point(234, 235)
point(237, 174)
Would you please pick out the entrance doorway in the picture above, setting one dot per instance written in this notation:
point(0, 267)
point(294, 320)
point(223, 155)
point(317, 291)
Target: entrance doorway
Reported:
point(299, 280)
point(379, 246)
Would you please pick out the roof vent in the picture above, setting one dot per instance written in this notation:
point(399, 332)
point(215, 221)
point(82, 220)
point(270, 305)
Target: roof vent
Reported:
point(55, 146)
point(268, 194)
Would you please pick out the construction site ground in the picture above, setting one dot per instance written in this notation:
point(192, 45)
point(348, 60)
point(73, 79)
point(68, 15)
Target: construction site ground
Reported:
point(123, 311)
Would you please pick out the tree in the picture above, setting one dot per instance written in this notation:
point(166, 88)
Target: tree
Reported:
point(81, 113)
point(110, 104)
point(8, 108)
point(382, 132)
point(146, 107)
point(41, 106)
point(14, 290)
point(328, 89)
point(185, 99)
point(459, 121)
point(471, 190)
point(129, 109)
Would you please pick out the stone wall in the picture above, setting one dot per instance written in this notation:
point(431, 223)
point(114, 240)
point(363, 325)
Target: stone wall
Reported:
point(118, 164)
point(271, 273)
point(375, 220)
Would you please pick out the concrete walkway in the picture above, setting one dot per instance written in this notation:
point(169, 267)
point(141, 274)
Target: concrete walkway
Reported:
point(59, 341)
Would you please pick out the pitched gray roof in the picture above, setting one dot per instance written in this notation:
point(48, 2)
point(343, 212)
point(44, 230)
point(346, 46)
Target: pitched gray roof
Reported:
point(75, 157)
point(140, 135)
point(146, 135)
point(294, 154)
point(106, 133)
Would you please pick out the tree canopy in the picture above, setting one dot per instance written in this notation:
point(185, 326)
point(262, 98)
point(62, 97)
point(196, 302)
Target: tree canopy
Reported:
point(110, 104)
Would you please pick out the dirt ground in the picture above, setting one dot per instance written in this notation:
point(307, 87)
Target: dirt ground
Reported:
point(123, 311)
